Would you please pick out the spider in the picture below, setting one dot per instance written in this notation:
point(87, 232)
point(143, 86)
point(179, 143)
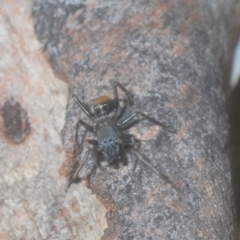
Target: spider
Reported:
point(112, 142)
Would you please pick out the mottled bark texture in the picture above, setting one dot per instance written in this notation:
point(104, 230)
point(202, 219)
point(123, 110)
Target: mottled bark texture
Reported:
point(33, 201)
point(173, 56)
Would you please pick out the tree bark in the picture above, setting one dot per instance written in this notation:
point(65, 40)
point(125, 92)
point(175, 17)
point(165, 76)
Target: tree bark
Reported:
point(33, 201)
point(174, 57)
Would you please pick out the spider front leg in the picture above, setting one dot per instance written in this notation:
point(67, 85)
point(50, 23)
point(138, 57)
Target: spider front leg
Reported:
point(81, 122)
point(116, 99)
point(128, 122)
point(84, 109)
point(115, 92)
point(122, 110)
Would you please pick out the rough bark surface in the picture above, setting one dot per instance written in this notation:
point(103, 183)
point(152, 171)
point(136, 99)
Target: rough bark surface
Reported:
point(33, 201)
point(172, 57)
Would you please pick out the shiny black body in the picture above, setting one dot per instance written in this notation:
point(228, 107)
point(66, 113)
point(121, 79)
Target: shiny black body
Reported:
point(112, 143)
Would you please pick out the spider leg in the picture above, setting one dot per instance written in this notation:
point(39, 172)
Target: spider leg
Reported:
point(86, 126)
point(135, 162)
point(116, 99)
point(95, 144)
point(98, 162)
point(92, 142)
point(76, 135)
point(128, 122)
point(122, 110)
point(160, 174)
point(115, 92)
point(84, 109)
point(74, 176)
point(129, 141)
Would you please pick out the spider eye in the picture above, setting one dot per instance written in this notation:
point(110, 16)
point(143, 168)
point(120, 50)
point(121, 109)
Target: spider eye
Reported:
point(106, 108)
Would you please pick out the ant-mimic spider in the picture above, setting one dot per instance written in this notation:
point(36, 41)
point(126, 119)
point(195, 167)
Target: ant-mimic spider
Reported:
point(112, 143)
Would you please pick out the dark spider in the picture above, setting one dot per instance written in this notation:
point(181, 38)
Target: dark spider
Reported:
point(112, 143)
